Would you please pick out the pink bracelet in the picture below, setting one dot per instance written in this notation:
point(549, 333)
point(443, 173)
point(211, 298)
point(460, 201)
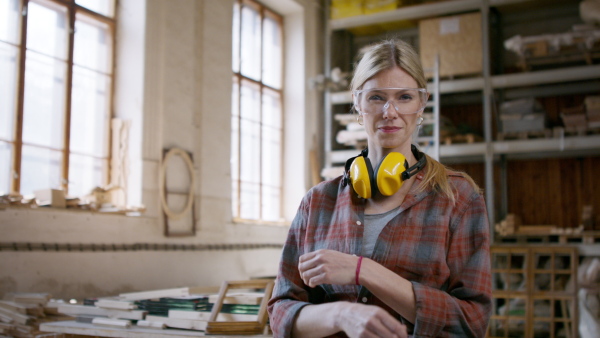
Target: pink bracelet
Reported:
point(358, 270)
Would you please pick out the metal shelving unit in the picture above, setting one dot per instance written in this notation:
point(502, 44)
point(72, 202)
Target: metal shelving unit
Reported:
point(559, 80)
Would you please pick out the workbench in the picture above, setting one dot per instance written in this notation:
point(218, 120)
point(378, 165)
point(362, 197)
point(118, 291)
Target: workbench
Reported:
point(86, 329)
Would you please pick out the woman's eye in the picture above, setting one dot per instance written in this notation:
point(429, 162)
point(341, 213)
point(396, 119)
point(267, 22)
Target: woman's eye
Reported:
point(376, 98)
point(406, 97)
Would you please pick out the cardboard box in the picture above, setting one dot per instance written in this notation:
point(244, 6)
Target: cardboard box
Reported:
point(457, 40)
point(592, 102)
point(536, 49)
point(574, 120)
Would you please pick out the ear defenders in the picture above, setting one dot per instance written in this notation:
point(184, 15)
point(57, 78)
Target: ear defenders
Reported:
point(386, 178)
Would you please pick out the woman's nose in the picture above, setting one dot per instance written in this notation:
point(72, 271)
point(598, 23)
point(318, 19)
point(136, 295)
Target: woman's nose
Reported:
point(389, 110)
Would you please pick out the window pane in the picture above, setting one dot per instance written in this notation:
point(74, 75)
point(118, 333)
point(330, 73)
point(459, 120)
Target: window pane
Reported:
point(249, 201)
point(271, 206)
point(235, 197)
point(91, 46)
point(250, 133)
point(85, 173)
point(43, 114)
point(9, 21)
point(271, 156)
point(46, 31)
point(104, 7)
point(8, 87)
point(5, 159)
point(271, 115)
point(89, 113)
point(250, 152)
point(250, 101)
point(272, 53)
point(235, 130)
point(250, 56)
point(271, 140)
point(40, 169)
point(236, 39)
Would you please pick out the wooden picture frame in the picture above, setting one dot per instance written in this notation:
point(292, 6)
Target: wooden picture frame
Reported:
point(241, 327)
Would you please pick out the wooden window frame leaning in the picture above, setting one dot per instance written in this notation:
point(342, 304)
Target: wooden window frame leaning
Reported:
point(168, 214)
point(239, 78)
point(71, 9)
point(241, 327)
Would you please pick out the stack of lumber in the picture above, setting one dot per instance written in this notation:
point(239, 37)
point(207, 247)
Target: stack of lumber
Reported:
point(509, 225)
point(120, 311)
point(105, 311)
point(22, 313)
point(512, 225)
point(354, 135)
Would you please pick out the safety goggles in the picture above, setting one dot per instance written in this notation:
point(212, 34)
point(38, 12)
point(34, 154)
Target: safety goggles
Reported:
point(380, 100)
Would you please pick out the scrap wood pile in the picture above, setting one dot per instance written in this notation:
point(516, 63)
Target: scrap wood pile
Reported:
point(512, 225)
point(22, 313)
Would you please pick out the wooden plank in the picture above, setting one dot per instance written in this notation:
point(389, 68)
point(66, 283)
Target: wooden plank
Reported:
point(176, 292)
point(75, 310)
point(121, 323)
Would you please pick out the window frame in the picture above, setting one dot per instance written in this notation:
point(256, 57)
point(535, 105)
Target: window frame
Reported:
point(72, 10)
point(237, 79)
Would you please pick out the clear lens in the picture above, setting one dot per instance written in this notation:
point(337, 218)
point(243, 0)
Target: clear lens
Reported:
point(400, 100)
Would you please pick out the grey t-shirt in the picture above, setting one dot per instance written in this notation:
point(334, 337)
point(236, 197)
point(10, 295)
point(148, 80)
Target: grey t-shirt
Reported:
point(374, 223)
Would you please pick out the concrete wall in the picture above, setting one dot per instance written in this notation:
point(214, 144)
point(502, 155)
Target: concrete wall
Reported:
point(174, 82)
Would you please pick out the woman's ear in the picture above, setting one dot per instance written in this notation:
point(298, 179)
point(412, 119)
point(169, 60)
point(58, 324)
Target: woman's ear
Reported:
point(355, 105)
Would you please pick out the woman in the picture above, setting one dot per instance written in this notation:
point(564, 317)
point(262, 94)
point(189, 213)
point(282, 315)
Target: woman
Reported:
point(412, 260)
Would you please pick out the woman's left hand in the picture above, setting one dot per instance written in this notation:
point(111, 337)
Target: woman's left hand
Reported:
point(327, 267)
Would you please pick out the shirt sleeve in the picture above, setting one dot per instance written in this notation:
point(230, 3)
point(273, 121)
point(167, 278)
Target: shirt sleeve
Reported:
point(289, 295)
point(464, 308)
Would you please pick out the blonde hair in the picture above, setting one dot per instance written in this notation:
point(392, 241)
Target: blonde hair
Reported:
point(388, 54)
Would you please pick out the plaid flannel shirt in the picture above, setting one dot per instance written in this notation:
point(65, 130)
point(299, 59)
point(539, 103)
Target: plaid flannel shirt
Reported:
point(443, 249)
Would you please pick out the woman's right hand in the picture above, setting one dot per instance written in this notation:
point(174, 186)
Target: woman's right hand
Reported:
point(360, 320)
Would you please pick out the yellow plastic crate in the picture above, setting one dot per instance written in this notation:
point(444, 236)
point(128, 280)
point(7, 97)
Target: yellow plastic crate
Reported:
point(346, 8)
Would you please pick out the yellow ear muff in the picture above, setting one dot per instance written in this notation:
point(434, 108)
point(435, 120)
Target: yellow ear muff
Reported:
point(389, 173)
point(360, 178)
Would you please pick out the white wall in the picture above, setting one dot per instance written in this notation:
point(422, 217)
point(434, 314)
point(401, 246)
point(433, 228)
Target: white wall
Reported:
point(174, 82)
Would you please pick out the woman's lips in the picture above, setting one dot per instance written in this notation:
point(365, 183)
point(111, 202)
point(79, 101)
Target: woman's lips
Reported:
point(389, 129)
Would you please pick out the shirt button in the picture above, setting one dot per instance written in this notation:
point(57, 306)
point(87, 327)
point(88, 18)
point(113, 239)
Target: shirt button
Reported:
point(364, 299)
point(358, 223)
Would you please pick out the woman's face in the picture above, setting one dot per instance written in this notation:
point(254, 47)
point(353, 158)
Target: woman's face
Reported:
point(388, 128)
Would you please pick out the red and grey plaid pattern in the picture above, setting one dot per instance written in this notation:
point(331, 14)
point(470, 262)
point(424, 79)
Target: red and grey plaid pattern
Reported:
point(443, 249)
